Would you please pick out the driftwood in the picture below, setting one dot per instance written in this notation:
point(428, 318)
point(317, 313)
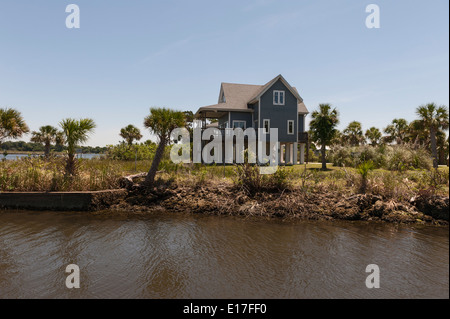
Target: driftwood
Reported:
point(128, 181)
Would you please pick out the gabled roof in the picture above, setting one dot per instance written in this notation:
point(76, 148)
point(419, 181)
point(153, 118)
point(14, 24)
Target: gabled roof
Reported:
point(269, 84)
point(238, 96)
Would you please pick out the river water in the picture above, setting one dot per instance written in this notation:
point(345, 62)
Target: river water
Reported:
point(186, 256)
point(19, 156)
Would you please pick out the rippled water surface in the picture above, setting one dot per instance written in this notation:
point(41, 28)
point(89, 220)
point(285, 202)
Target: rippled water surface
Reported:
point(184, 256)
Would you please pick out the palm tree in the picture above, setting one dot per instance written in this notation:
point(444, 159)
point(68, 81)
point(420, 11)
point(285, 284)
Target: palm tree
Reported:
point(47, 135)
point(374, 136)
point(189, 119)
point(442, 143)
point(75, 132)
point(434, 118)
point(161, 122)
point(130, 133)
point(397, 131)
point(338, 139)
point(354, 134)
point(323, 128)
point(12, 124)
point(418, 134)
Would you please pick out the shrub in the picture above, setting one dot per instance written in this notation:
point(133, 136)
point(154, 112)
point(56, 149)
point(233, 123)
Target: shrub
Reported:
point(395, 158)
point(402, 158)
point(125, 152)
point(249, 178)
point(364, 170)
point(342, 157)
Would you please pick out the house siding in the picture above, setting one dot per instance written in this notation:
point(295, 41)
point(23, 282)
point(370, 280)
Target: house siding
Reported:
point(254, 107)
point(240, 116)
point(237, 116)
point(279, 114)
point(222, 120)
point(301, 123)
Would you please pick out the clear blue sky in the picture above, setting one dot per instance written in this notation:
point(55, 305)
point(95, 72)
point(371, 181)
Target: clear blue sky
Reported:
point(131, 55)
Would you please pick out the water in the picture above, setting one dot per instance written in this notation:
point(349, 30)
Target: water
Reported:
point(185, 256)
point(18, 156)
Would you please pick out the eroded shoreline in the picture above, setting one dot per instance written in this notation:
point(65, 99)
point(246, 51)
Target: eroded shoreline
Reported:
point(289, 205)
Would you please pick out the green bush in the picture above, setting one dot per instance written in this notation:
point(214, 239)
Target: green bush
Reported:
point(125, 152)
point(395, 158)
point(402, 158)
point(364, 170)
point(249, 178)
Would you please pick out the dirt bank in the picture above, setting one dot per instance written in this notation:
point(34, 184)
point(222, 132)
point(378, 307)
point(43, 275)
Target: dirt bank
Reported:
point(225, 199)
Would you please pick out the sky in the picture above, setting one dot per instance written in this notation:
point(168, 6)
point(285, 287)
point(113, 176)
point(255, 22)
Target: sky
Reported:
point(128, 56)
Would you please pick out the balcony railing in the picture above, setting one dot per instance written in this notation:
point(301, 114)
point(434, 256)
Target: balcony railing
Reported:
point(302, 136)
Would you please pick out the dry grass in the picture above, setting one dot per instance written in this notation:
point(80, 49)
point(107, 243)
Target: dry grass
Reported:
point(37, 174)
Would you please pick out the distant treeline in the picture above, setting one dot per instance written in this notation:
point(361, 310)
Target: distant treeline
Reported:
point(38, 147)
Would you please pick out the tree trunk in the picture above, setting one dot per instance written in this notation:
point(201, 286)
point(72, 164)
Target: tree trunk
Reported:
point(47, 150)
point(324, 160)
point(71, 166)
point(149, 180)
point(433, 146)
point(441, 154)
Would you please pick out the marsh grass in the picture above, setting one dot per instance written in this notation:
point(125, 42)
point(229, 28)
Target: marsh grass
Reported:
point(38, 174)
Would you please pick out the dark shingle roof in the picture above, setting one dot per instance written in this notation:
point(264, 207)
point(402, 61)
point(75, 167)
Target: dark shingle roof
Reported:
point(238, 96)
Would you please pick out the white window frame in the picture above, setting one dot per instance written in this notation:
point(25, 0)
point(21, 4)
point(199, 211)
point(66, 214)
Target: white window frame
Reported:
point(240, 121)
point(279, 94)
point(264, 126)
point(293, 127)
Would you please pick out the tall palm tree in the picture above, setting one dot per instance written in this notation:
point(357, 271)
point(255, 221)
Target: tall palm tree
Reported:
point(442, 144)
point(12, 124)
point(354, 134)
point(397, 131)
point(374, 136)
point(323, 128)
point(75, 132)
point(130, 133)
point(434, 118)
point(47, 135)
point(161, 122)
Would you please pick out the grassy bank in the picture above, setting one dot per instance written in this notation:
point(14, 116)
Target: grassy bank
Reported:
point(38, 174)
point(302, 191)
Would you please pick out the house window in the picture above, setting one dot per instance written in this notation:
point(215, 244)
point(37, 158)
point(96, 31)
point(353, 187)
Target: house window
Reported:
point(266, 126)
point(239, 124)
point(290, 127)
point(278, 97)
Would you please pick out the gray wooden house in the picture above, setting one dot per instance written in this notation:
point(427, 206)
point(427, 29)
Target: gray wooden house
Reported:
point(275, 104)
